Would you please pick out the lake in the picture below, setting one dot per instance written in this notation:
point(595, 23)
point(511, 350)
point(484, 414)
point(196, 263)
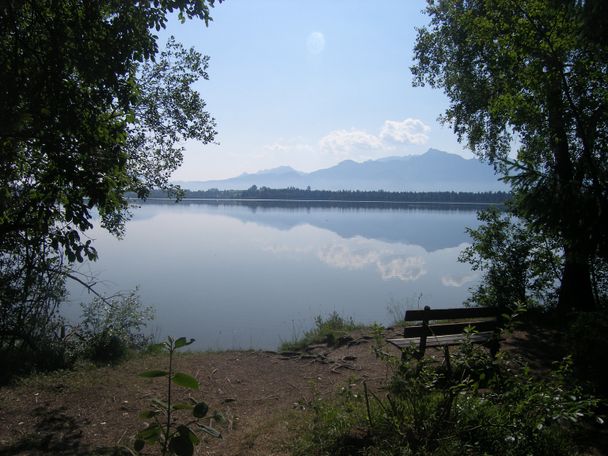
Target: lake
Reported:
point(253, 274)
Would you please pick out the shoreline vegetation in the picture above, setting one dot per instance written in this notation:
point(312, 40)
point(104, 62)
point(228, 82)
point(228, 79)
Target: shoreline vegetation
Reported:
point(291, 194)
point(327, 396)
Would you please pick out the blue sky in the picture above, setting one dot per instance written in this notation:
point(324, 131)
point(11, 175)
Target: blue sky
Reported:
point(311, 83)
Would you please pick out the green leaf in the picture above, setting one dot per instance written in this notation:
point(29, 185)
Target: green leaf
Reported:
point(186, 432)
point(156, 347)
point(160, 404)
point(209, 430)
point(181, 446)
point(200, 410)
point(182, 342)
point(139, 444)
point(154, 373)
point(219, 417)
point(185, 380)
point(151, 434)
point(182, 406)
point(147, 414)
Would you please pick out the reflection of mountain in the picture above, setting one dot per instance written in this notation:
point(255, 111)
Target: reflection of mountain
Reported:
point(431, 228)
point(432, 171)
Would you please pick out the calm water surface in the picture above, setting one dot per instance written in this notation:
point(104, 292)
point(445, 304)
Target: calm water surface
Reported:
point(253, 275)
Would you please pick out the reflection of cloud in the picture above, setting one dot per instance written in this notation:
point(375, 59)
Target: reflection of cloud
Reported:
point(391, 263)
point(457, 281)
point(406, 269)
point(282, 249)
point(341, 256)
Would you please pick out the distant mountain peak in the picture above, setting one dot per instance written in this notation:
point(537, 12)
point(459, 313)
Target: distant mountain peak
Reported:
point(277, 170)
point(435, 170)
point(441, 154)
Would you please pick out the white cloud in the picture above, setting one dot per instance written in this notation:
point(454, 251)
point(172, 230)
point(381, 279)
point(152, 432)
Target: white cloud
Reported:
point(288, 146)
point(457, 281)
point(408, 131)
point(362, 145)
point(352, 144)
point(315, 43)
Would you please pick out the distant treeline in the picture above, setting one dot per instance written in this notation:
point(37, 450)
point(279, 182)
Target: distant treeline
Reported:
point(292, 193)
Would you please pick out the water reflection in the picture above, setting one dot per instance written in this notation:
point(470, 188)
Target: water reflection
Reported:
point(241, 276)
point(432, 226)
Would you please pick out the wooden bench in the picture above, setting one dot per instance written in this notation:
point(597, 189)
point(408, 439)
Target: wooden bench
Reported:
point(484, 320)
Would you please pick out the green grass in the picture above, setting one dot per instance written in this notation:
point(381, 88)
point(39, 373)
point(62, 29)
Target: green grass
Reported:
point(326, 330)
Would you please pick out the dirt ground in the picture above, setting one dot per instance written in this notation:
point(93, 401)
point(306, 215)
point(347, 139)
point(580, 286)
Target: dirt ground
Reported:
point(260, 394)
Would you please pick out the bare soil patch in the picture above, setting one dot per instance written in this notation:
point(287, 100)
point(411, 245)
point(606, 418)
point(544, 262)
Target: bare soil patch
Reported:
point(89, 411)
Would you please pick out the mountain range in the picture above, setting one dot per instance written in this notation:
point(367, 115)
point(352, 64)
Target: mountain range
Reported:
point(434, 170)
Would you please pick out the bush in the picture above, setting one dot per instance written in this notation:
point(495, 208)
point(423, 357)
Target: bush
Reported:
point(326, 330)
point(429, 412)
point(110, 328)
point(587, 341)
point(31, 290)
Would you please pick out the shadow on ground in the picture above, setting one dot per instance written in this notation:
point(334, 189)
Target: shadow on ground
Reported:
point(56, 433)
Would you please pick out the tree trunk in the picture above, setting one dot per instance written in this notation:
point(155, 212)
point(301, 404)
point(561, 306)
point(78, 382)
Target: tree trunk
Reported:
point(576, 290)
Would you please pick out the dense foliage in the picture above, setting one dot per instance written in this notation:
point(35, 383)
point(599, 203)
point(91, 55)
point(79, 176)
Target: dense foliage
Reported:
point(532, 75)
point(519, 267)
point(482, 407)
point(292, 193)
point(90, 108)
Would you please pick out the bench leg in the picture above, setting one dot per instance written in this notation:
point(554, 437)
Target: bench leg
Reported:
point(448, 364)
point(494, 347)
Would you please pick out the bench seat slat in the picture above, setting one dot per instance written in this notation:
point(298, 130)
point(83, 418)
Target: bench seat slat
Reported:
point(450, 314)
point(447, 340)
point(449, 328)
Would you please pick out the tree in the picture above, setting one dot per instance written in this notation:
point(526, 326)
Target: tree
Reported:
point(519, 267)
point(87, 112)
point(90, 109)
point(532, 74)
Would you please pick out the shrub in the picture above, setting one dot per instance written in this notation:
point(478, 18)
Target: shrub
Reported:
point(427, 411)
point(110, 328)
point(587, 341)
point(327, 330)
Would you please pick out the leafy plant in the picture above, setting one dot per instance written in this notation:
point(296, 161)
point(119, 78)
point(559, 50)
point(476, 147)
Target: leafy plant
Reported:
point(484, 406)
point(586, 340)
point(326, 330)
point(173, 437)
point(109, 328)
point(518, 264)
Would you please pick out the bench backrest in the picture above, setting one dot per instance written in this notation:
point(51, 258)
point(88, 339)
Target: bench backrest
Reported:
point(481, 318)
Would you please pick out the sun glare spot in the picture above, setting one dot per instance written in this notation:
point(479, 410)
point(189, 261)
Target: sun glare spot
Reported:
point(315, 43)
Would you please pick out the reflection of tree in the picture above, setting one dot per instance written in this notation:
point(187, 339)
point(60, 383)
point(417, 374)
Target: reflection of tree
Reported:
point(432, 226)
point(308, 196)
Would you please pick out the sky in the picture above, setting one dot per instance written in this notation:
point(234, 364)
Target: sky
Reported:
point(309, 84)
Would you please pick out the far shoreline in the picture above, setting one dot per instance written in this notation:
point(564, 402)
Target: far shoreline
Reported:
point(288, 200)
